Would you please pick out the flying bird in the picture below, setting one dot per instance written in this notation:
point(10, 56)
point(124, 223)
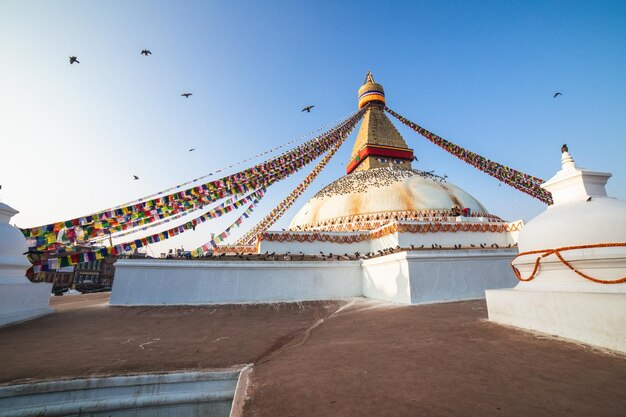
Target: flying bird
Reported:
point(146, 52)
point(192, 149)
point(186, 95)
point(74, 59)
point(135, 177)
point(557, 94)
point(308, 109)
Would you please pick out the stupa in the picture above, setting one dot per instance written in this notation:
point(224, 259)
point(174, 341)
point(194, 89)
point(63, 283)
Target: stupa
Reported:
point(572, 264)
point(381, 188)
point(384, 230)
point(381, 184)
point(20, 299)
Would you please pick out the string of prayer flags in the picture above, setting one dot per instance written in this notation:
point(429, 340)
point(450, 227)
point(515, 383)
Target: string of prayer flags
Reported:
point(263, 174)
point(218, 238)
point(516, 179)
point(269, 220)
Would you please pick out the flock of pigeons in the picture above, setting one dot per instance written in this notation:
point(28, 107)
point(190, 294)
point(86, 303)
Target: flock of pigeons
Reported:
point(301, 256)
point(146, 52)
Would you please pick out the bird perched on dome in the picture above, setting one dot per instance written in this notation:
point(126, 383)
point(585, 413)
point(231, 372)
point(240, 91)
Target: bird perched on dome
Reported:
point(564, 148)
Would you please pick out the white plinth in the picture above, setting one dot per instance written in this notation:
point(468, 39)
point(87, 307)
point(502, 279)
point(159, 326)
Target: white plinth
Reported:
point(163, 281)
point(590, 317)
point(20, 299)
point(403, 277)
point(588, 230)
point(422, 277)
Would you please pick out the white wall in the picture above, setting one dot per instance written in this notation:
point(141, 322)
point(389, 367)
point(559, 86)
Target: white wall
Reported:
point(595, 318)
point(19, 302)
point(314, 248)
point(404, 239)
point(449, 239)
point(165, 281)
point(405, 277)
point(387, 278)
point(419, 277)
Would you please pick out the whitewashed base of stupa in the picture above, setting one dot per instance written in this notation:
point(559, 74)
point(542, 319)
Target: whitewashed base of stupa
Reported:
point(164, 281)
point(413, 277)
point(421, 277)
point(595, 318)
point(23, 301)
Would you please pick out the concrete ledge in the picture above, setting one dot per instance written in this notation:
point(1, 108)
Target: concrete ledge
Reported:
point(241, 391)
point(595, 318)
point(179, 394)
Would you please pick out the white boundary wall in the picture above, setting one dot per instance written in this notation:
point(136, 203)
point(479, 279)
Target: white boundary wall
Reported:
point(166, 281)
point(420, 277)
point(414, 277)
point(24, 301)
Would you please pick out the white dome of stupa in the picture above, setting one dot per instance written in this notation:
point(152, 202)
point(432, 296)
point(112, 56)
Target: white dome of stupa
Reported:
point(584, 226)
point(13, 263)
point(383, 194)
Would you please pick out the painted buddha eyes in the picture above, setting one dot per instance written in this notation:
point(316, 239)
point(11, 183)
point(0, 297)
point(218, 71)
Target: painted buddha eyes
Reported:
point(395, 161)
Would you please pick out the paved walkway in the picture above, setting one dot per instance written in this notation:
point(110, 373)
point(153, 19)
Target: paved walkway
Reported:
point(363, 358)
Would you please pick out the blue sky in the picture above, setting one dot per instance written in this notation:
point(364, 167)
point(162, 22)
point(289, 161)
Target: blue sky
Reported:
point(481, 74)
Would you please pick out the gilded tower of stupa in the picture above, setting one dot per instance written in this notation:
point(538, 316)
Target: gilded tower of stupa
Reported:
point(378, 143)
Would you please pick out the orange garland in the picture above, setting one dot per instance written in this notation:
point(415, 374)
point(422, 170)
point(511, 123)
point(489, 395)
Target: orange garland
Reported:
point(235, 249)
point(389, 229)
point(547, 252)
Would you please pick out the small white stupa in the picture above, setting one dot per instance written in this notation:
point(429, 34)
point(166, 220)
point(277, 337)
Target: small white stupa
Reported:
point(20, 299)
point(571, 265)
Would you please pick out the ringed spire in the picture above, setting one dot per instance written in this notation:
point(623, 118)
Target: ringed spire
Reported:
point(371, 92)
point(378, 143)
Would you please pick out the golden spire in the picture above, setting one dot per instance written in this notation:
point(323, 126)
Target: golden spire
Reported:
point(371, 92)
point(378, 143)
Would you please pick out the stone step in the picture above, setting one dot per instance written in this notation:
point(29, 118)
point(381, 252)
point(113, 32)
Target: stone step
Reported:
point(174, 394)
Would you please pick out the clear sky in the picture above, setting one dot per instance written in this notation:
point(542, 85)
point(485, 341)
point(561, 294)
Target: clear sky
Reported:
point(481, 74)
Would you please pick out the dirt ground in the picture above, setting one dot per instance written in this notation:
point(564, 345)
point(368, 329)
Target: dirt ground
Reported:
point(87, 337)
point(359, 358)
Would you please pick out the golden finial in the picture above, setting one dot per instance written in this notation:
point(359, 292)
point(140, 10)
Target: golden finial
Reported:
point(371, 91)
